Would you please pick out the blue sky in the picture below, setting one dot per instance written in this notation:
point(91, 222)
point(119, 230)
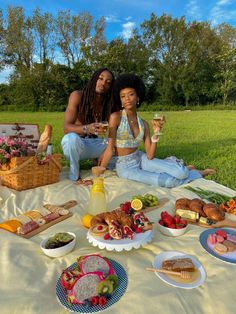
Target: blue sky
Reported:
point(124, 15)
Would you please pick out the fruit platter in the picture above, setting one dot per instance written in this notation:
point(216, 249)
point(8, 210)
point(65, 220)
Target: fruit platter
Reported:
point(123, 228)
point(91, 284)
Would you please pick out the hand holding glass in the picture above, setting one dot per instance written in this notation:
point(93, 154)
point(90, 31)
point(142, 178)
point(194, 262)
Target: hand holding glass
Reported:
point(102, 129)
point(157, 122)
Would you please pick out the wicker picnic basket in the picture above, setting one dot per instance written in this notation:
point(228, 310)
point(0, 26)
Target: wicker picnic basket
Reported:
point(27, 173)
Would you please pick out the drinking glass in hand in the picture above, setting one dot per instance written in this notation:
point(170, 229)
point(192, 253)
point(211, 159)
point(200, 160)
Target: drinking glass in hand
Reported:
point(102, 130)
point(157, 119)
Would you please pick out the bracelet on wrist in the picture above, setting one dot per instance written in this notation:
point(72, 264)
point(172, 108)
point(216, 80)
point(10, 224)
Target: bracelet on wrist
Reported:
point(154, 139)
point(85, 129)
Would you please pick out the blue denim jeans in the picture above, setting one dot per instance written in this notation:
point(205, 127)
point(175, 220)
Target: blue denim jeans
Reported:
point(76, 148)
point(167, 173)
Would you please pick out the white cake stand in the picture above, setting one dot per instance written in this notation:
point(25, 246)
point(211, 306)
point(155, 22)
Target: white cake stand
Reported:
point(140, 239)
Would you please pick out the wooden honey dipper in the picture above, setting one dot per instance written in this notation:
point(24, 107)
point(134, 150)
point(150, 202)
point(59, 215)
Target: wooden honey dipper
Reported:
point(183, 274)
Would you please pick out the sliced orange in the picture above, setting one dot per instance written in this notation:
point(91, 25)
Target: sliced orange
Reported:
point(11, 225)
point(136, 204)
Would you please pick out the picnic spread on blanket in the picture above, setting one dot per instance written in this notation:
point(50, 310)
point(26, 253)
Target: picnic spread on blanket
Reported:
point(142, 248)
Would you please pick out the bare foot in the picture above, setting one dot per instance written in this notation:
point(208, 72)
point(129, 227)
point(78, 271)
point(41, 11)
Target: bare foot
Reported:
point(84, 182)
point(207, 172)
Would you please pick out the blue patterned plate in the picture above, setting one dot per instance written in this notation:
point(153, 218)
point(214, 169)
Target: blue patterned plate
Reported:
point(120, 290)
point(227, 257)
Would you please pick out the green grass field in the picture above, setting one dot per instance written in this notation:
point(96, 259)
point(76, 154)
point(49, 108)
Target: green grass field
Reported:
point(206, 139)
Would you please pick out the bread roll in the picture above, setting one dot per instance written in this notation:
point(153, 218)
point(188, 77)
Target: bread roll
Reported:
point(182, 203)
point(196, 205)
point(213, 212)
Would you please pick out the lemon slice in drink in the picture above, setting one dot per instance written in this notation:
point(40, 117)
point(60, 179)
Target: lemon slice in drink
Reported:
point(136, 204)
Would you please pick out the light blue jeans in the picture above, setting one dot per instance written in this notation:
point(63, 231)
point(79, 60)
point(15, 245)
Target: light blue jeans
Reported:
point(168, 173)
point(76, 148)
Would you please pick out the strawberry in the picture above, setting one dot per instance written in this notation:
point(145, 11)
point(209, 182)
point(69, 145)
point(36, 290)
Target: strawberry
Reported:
point(94, 300)
point(176, 219)
point(102, 300)
point(138, 230)
point(168, 220)
point(172, 226)
point(222, 233)
point(161, 222)
point(180, 226)
point(183, 222)
point(106, 236)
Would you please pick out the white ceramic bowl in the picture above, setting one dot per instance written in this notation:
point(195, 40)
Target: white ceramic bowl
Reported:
point(172, 232)
point(60, 251)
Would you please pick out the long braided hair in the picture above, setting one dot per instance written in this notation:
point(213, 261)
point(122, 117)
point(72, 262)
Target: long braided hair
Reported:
point(86, 110)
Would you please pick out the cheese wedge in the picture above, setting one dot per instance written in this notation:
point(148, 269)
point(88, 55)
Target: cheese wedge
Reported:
point(187, 214)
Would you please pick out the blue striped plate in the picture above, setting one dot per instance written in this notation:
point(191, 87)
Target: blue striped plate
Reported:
point(61, 292)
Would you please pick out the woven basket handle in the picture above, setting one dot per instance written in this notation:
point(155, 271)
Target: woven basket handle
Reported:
point(24, 164)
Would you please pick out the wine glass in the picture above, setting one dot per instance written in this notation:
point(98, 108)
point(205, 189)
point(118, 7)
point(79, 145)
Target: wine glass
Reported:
point(157, 118)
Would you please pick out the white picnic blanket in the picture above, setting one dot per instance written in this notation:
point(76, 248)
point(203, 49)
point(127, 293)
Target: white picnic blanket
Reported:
point(28, 277)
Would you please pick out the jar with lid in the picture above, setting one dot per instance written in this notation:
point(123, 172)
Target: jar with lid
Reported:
point(97, 202)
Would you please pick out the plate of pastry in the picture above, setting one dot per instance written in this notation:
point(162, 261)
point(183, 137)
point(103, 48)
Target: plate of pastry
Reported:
point(175, 261)
point(220, 243)
point(117, 230)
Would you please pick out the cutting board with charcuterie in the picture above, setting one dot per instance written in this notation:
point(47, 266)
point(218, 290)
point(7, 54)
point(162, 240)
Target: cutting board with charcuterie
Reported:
point(35, 221)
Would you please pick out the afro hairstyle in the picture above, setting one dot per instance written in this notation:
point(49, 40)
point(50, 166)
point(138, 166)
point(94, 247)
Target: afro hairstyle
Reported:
point(129, 80)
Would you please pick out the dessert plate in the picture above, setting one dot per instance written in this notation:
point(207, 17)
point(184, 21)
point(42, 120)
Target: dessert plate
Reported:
point(227, 257)
point(140, 239)
point(199, 280)
point(120, 290)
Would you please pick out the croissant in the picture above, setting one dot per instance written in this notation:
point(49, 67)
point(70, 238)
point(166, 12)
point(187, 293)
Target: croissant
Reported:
point(213, 212)
point(116, 215)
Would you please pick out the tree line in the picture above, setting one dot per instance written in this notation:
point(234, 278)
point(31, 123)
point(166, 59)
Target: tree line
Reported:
point(182, 63)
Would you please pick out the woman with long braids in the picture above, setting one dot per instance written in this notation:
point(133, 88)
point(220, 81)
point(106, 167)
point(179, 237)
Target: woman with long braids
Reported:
point(127, 130)
point(84, 110)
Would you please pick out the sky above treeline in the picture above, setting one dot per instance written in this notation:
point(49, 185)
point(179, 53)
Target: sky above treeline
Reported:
point(122, 16)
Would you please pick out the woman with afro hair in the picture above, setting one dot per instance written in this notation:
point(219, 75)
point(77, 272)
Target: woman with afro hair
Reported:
point(127, 130)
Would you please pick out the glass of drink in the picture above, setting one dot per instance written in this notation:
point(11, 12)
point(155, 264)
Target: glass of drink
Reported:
point(157, 118)
point(103, 130)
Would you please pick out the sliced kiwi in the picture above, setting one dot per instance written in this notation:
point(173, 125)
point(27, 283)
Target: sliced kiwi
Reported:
point(114, 279)
point(105, 287)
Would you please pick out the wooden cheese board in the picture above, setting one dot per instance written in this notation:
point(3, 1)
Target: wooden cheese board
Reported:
point(45, 226)
point(219, 224)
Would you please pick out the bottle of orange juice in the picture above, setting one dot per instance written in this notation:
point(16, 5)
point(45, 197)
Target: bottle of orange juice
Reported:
point(97, 203)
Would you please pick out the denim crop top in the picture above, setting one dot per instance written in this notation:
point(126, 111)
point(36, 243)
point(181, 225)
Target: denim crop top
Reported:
point(124, 135)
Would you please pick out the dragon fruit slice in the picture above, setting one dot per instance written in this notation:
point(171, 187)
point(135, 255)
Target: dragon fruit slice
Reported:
point(85, 287)
point(91, 263)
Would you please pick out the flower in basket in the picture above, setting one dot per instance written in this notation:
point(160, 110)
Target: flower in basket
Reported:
point(9, 148)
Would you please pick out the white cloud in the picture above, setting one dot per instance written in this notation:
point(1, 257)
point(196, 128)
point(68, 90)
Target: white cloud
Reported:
point(193, 9)
point(127, 29)
point(128, 18)
point(220, 13)
point(223, 2)
point(112, 19)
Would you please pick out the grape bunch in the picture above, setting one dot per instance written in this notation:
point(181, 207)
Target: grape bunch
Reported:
point(148, 200)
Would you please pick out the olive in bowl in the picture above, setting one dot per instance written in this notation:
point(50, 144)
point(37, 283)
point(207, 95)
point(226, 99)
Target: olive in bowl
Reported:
point(59, 244)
